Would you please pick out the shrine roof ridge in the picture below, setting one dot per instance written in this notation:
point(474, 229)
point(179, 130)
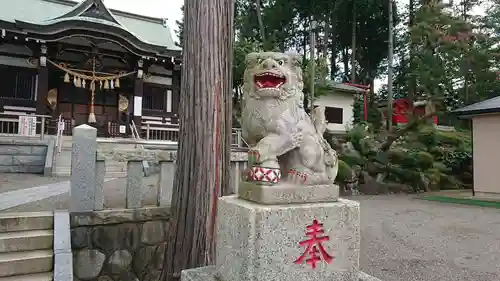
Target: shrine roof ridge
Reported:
point(24, 15)
point(116, 12)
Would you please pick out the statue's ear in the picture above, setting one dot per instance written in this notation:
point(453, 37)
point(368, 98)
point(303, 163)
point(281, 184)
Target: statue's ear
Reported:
point(295, 58)
point(251, 58)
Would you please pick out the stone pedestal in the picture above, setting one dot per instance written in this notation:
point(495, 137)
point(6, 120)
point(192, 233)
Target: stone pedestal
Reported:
point(270, 233)
point(287, 194)
point(263, 242)
point(209, 273)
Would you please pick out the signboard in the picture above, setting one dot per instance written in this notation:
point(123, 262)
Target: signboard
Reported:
point(27, 125)
point(137, 106)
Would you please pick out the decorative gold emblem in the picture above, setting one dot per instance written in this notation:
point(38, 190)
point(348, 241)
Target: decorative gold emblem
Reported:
point(122, 103)
point(52, 98)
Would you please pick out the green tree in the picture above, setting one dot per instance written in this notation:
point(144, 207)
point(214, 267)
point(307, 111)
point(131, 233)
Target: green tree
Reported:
point(180, 29)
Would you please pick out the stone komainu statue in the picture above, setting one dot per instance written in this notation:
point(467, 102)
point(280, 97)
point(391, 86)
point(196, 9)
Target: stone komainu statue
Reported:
point(286, 142)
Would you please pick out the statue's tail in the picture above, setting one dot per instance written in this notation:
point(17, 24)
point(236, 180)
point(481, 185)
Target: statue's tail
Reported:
point(334, 169)
point(331, 161)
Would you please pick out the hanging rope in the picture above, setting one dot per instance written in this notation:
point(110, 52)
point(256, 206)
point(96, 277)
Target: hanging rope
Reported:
point(87, 77)
point(80, 80)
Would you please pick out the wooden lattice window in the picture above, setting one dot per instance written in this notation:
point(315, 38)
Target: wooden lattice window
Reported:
point(154, 98)
point(17, 82)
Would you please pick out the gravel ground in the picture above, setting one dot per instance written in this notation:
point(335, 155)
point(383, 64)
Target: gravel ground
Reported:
point(414, 240)
point(403, 239)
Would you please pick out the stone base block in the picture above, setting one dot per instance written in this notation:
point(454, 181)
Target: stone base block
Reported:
point(208, 273)
point(285, 193)
point(266, 242)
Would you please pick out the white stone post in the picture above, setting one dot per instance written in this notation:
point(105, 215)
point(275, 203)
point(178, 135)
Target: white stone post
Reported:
point(83, 169)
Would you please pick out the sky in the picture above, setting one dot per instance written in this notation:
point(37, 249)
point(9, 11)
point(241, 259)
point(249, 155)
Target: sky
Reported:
point(170, 9)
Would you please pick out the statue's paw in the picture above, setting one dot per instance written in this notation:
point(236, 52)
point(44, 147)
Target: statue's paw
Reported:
point(298, 178)
point(297, 138)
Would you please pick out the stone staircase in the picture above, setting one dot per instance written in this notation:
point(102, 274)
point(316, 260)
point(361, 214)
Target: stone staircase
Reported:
point(26, 246)
point(62, 160)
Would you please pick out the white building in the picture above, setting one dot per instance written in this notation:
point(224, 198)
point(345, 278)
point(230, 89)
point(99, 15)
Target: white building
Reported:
point(339, 106)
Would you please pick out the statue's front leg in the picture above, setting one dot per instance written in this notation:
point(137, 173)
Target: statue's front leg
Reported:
point(270, 147)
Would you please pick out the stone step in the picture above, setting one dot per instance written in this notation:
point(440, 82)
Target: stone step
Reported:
point(68, 146)
point(112, 174)
point(108, 168)
point(10, 222)
point(26, 240)
point(47, 276)
point(111, 166)
point(116, 174)
point(67, 173)
point(19, 263)
point(66, 161)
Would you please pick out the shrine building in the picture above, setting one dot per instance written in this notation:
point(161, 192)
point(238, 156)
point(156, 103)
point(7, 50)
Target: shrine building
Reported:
point(86, 64)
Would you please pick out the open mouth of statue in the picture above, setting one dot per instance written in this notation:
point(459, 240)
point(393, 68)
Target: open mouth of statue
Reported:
point(269, 80)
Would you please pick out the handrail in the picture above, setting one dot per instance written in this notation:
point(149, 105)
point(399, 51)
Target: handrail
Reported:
point(240, 137)
point(60, 129)
point(137, 137)
point(135, 133)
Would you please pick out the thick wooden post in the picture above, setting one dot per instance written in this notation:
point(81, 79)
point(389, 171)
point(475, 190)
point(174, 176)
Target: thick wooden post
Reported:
point(176, 92)
point(205, 114)
point(43, 83)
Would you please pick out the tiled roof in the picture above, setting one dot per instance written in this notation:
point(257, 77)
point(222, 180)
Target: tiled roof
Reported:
point(147, 29)
point(487, 106)
point(345, 88)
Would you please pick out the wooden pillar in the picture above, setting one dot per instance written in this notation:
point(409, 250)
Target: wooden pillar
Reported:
point(130, 110)
point(43, 83)
point(176, 92)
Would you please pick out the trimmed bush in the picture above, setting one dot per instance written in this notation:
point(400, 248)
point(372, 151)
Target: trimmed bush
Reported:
point(345, 173)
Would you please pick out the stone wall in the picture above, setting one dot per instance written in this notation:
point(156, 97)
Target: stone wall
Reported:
point(23, 156)
point(119, 245)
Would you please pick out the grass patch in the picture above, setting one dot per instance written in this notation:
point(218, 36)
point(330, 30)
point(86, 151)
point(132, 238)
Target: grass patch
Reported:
point(463, 201)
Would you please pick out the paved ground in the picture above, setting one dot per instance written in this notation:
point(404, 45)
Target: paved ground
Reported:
point(403, 239)
point(406, 239)
point(11, 182)
point(22, 194)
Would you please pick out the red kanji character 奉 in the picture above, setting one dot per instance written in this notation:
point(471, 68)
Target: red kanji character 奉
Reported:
point(314, 246)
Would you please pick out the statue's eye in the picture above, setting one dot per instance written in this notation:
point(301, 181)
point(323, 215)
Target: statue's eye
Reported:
point(259, 61)
point(281, 62)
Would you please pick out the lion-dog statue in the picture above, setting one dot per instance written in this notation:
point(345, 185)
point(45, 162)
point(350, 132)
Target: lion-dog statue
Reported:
point(276, 126)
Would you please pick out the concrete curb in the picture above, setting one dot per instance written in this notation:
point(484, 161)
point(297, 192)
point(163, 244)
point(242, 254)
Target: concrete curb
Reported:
point(49, 159)
point(63, 257)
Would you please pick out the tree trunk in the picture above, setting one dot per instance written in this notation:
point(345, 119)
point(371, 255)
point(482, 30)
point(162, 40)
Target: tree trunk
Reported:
point(406, 129)
point(333, 48)
point(345, 58)
point(353, 48)
point(412, 87)
point(262, 29)
point(326, 37)
point(205, 114)
point(304, 44)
